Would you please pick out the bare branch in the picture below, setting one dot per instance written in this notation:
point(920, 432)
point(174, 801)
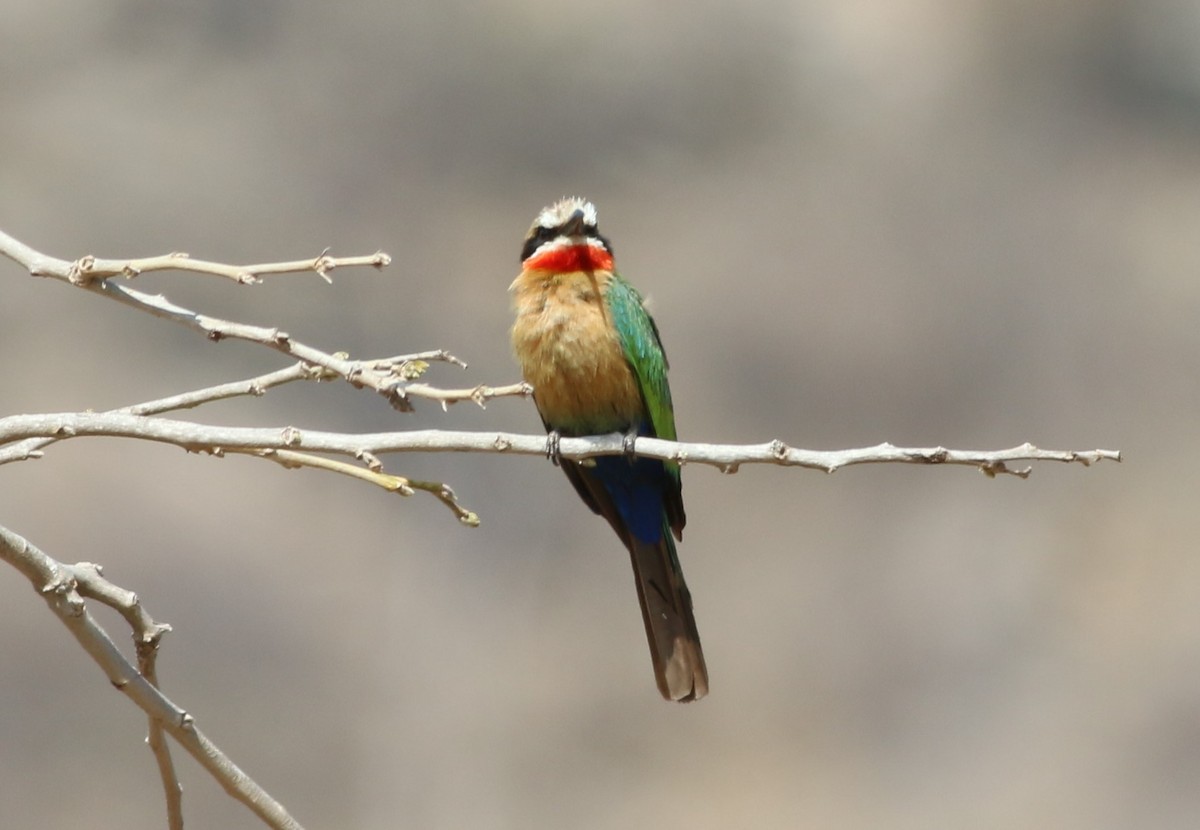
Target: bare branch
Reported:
point(88, 269)
point(727, 457)
point(446, 496)
point(372, 474)
point(64, 588)
point(257, 386)
point(390, 377)
point(156, 739)
point(91, 584)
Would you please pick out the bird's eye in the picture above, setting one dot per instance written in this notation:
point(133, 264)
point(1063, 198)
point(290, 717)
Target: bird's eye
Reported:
point(538, 237)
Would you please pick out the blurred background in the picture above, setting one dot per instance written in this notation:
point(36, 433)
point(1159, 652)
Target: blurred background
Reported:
point(961, 223)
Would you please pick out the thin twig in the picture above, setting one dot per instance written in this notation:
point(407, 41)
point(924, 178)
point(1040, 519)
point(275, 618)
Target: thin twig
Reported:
point(88, 268)
point(391, 378)
point(91, 584)
point(156, 739)
point(373, 474)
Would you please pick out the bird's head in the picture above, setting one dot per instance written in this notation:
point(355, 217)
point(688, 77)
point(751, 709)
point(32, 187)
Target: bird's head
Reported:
point(564, 238)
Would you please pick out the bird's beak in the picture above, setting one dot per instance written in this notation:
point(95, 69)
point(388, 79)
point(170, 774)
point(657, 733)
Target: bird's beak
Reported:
point(574, 225)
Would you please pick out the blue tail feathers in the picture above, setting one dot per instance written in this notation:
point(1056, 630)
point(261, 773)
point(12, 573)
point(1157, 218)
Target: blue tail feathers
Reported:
point(636, 486)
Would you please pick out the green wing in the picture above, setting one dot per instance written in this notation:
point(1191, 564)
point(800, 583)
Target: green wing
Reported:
point(643, 349)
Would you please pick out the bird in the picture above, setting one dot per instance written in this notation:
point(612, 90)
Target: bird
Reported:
point(592, 353)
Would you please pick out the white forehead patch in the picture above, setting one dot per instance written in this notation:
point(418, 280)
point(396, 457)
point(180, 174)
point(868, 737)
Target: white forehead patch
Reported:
point(560, 211)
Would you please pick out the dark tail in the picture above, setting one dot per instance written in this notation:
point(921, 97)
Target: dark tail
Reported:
point(667, 612)
point(666, 603)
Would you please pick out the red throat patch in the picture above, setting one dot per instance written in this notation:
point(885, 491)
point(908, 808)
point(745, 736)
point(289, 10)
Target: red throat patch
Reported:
point(581, 257)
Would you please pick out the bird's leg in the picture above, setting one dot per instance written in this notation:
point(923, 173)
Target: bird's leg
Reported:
point(552, 451)
point(628, 442)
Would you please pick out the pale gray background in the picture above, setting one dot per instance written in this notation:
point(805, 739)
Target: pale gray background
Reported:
point(943, 222)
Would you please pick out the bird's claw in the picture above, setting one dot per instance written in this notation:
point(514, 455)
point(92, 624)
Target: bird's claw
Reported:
point(552, 451)
point(628, 442)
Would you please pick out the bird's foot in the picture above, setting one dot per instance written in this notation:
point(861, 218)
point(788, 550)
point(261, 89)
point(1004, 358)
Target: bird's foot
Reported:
point(629, 441)
point(552, 451)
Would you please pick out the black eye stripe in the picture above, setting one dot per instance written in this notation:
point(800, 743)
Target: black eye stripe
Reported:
point(542, 235)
